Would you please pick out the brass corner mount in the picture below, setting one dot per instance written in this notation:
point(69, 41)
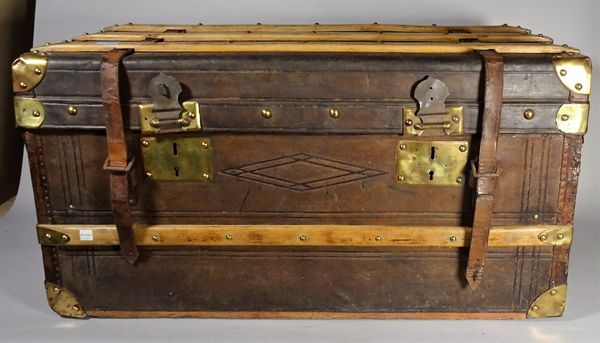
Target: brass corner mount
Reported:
point(551, 303)
point(63, 302)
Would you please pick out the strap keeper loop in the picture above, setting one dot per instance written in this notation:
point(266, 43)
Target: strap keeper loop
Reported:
point(118, 169)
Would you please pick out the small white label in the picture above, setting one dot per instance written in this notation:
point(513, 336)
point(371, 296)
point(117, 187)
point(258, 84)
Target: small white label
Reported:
point(86, 235)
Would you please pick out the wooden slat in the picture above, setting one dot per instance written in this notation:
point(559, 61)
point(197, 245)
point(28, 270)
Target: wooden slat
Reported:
point(310, 47)
point(315, 27)
point(312, 37)
point(307, 235)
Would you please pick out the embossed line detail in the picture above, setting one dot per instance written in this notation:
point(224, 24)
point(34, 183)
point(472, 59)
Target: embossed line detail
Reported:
point(302, 172)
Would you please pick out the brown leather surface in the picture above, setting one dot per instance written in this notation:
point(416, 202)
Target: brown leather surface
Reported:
point(119, 162)
point(486, 165)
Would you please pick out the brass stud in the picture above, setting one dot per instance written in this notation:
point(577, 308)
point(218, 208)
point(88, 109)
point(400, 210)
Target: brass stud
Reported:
point(145, 143)
point(302, 238)
point(462, 148)
point(191, 115)
point(378, 238)
point(563, 72)
point(56, 290)
point(460, 180)
point(64, 237)
point(333, 113)
point(452, 238)
point(564, 117)
point(408, 122)
point(204, 145)
point(155, 238)
point(266, 113)
point(228, 237)
point(37, 71)
point(536, 216)
point(206, 176)
point(72, 110)
point(148, 174)
point(535, 308)
point(560, 236)
point(76, 308)
point(183, 122)
point(402, 146)
point(71, 207)
point(553, 292)
point(401, 178)
point(23, 85)
point(36, 113)
point(48, 235)
point(455, 119)
point(578, 86)
point(155, 123)
point(529, 114)
point(543, 237)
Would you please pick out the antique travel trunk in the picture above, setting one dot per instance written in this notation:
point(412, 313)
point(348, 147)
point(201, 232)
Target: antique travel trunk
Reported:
point(320, 171)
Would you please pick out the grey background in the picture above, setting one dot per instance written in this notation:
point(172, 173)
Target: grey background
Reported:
point(24, 314)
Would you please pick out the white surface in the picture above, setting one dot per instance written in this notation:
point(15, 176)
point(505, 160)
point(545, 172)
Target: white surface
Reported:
point(24, 315)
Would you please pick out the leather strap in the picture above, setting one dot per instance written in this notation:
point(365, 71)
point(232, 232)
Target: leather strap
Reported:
point(118, 163)
point(484, 170)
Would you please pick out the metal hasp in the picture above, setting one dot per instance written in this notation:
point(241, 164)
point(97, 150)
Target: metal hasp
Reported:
point(551, 303)
point(63, 302)
point(439, 163)
point(433, 118)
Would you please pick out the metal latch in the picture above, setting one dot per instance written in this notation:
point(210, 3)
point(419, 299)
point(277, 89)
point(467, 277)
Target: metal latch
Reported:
point(165, 114)
point(433, 118)
point(168, 153)
point(441, 163)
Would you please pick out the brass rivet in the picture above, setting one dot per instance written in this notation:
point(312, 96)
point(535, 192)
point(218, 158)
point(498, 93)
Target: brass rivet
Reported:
point(400, 178)
point(408, 122)
point(553, 292)
point(145, 143)
point(72, 110)
point(183, 122)
point(48, 235)
point(36, 113)
point(228, 237)
point(204, 145)
point(148, 174)
point(205, 176)
point(536, 216)
point(23, 85)
point(462, 148)
point(155, 123)
point(378, 238)
point(529, 114)
point(564, 117)
point(56, 290)
point(76, 308)
point(578, 86)
point(543, 237)
point(155, 238)
point(333, 113)
point(452, 238)
point(560, 236)
point(131, 201)
point(71, 206)
point(402, 146)
point(563, 72)
point(535, 308)
point(38, 71)
point(64, 237)
point(459, 180)
point(266, 113)
point(455, 119)
point(302, 238)
point(191, 115)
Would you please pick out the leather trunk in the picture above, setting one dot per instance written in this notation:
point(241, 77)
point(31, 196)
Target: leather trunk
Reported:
point(378, 171)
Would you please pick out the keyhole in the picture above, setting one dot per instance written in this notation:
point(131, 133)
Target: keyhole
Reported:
point(431, 175)
point(176, 169)
point(174, 149)
point(433, 153)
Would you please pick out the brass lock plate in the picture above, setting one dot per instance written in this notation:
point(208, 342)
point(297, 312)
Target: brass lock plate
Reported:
point(174, 158)
point(438, 163)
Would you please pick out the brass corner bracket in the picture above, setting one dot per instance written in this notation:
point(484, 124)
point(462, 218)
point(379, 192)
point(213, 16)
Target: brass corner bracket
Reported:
point(29, 112)
point(575, 72)
point(551, 303)
point(28, 70)
point(573, 118)
point(63, 302)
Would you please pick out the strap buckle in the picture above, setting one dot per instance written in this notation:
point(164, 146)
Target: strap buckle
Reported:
point(118, 169)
